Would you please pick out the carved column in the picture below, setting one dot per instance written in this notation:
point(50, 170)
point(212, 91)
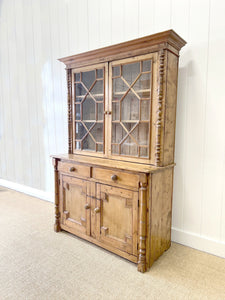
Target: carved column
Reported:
point(69, 102)
point(57, 213)
point(142, 227)
point(159, 108)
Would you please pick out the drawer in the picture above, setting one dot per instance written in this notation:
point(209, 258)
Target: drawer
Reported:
point(113, 176)
point(74, 169)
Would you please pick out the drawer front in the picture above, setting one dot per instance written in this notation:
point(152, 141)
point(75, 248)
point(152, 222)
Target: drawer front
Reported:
point(113, 176)
point(74, 169)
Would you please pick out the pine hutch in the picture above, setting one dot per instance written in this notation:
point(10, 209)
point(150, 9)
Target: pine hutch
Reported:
point(114, 187)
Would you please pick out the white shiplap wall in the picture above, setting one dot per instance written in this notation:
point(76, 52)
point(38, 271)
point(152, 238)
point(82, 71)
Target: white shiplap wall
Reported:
point(33, 121)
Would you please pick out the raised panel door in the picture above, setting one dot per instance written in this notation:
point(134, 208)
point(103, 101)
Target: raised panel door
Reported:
point(75, 204)
point(116, 217)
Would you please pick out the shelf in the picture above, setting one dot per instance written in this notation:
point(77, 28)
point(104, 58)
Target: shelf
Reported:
point(94, 95)
point(136, 91)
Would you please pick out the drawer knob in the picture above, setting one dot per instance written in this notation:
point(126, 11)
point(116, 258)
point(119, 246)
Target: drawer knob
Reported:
point(87, 206)
point(114, 177)
point(72, 169)
point(97, 210)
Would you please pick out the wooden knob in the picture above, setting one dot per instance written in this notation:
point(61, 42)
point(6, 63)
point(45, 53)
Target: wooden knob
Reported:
point(114, 177)
point(87, 206)
point(97, 210)
point(72, 169)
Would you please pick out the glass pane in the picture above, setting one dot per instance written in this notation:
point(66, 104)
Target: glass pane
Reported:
point(129, 147)
point(78, 145)
point(129, 126)
point(97, 88)
point(115, 111)
point(88, 143)
point(115, 149)
point(141, 133)
point(88, 107)
point(118, 133)
point(119, 88)
point(97, 132)
point(116, 71)
point(146, 66)
point(77, 111)
point(77, 76)
point(88, 124)
point(143, 152)
point(99, 148)
point(80, 131)
point(142, 86)
point(80, 91)
point(130, 107)
point(100, 73)
point(145, 110)
point(88, 78)
point(130, 72)
point(100, 111)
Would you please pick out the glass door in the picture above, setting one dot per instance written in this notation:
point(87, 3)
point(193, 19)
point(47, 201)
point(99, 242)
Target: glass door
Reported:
point(88, 89)
point(131, 93)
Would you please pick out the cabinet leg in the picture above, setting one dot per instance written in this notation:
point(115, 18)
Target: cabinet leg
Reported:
point(142, 228)
point(57, 227)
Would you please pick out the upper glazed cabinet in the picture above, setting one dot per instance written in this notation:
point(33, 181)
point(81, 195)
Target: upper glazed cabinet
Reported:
point(117, 107)
point(116, 120)
point(113, 121)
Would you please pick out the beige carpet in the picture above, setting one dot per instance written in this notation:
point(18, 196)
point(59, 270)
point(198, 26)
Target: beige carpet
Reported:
point(37, 263)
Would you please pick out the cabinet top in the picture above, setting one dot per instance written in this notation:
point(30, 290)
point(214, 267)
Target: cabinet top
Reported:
point(164, 40)
point(110, 163)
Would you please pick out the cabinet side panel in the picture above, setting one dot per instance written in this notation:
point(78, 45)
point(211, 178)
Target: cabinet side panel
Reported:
point(170, 109)
point(161, 191)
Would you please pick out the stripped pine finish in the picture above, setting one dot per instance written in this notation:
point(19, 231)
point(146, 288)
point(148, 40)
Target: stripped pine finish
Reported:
point(114, 187)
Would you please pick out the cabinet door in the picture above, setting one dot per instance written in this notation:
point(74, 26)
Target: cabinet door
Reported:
point(116, 215)
point(75, 204)
point(131, 96)
point(89, 85)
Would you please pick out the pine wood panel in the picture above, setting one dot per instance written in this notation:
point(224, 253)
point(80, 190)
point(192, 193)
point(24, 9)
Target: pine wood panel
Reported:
point(75, 204)
point(118, 218)
point(160, 192)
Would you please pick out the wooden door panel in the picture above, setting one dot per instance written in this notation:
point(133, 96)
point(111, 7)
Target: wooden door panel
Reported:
point(118, 217)
point(75, 204)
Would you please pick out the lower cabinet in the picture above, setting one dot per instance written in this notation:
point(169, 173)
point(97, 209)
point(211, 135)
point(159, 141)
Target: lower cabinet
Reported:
point(106, 213)
point(125, 211)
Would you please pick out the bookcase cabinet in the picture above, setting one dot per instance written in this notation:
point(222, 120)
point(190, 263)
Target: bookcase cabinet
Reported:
point(114, 187)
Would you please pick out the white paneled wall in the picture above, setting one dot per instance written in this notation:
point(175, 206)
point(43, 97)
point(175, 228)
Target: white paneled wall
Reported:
point(33, 121)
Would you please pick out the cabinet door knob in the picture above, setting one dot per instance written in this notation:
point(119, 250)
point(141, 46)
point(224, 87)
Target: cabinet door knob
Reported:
point(97, 210)
point(87, 206)
point(114, 177)
point(72, 169)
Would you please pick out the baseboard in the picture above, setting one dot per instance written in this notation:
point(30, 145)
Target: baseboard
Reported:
point(27, 190)
point(198, 242)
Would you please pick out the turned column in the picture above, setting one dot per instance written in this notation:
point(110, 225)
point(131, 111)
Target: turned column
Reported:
point(142, 227)
point(57, 213)
point(69, 103)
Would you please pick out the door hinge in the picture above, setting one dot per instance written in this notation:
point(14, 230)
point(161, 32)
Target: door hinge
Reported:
point(59, 181)
point(137, 246)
